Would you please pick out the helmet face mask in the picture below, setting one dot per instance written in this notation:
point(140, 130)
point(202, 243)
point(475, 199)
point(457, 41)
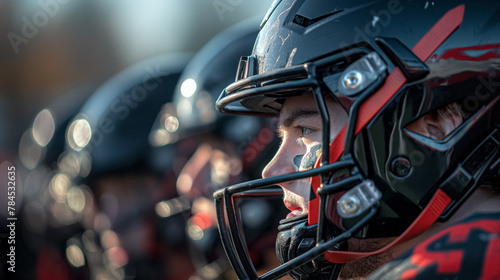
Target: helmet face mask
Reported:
point(379, 177)
point(215, 150)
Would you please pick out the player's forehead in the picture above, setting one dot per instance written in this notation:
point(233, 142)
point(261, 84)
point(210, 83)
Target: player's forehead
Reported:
point(297, 107)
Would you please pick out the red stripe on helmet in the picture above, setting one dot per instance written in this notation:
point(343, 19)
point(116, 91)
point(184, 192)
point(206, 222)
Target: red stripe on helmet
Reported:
point(423, 49)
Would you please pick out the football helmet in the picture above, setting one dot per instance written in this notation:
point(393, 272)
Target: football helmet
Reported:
point(43, 231)
point(217, 150)
point(108, 157)
point(388, 63)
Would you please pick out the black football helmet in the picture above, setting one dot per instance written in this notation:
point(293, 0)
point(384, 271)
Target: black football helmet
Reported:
point(388, 63)
point(107, 157)
point(42, 231)
point(213, 156)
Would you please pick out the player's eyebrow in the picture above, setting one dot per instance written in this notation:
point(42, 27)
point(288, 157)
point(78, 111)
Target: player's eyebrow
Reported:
point(294, 116)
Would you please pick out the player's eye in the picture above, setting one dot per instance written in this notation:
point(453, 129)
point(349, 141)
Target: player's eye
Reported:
point(305, 131)
point(304, 135)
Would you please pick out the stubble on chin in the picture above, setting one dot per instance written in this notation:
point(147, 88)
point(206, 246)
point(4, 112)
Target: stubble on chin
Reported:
point(361, 268)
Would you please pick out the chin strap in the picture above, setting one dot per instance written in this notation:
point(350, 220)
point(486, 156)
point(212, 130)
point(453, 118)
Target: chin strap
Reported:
point(428, 216)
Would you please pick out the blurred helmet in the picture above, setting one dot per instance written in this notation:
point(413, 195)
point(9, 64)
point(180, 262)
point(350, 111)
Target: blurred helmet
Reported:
point(44, 140)
point(388, 63)
point(219, 150)
point(192, 112)
point(43, 230)
point(112, 128)
point(108, 154)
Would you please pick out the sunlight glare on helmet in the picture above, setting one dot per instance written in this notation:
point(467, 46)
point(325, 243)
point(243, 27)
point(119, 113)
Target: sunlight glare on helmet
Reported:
point(188, 87)
point(43, 127)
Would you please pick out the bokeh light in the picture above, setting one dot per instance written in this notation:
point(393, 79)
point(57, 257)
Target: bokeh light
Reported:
point(188, 87)
point(75, 256)
point(195, 232)
point(43, 127)
point(30, 153)
point(79, 134)
point(109, 239)
point(170, 123)
point(59, 186)
point(76, 199)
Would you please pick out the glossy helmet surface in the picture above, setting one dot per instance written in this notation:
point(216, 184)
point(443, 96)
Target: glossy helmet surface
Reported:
point(200, 84)
point(108, 156)
point(388, 63)
point(112, 128)
point(219, 150)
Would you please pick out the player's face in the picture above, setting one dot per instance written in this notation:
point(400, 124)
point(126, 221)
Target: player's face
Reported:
point(300, 128)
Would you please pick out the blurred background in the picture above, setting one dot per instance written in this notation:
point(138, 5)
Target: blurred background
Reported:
point(50, 47)
point(92, 201)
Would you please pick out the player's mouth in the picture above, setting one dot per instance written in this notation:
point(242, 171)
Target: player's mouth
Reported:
point(295, 209)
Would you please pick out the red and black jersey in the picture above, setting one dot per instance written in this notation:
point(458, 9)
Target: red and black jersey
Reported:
point(469, 249)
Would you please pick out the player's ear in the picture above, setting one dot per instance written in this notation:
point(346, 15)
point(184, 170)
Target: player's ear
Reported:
point(438, 124)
